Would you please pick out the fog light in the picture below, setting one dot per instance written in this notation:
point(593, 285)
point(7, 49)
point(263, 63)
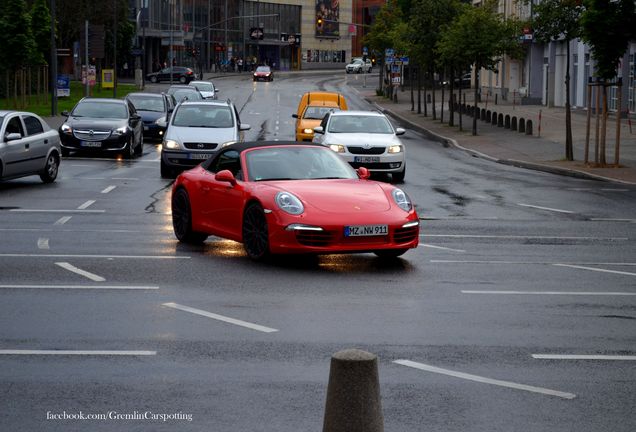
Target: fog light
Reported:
point(395, 164)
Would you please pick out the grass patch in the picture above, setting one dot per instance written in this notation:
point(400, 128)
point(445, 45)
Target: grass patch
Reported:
point(41, 106)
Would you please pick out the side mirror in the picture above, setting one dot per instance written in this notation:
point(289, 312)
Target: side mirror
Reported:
point(319, 130)
point(363, 173)
point(12, 137)
point(244, 126)
point(225, 176)
point(216, 90)
point(65, 113)
point(400, 131)
point(294, 115)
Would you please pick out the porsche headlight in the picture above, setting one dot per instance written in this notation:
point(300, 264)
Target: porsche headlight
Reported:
point(397, 148)
point(402, 199)
point(308, 131)
point(67, 129)
point(338, 148)
point(289, 203)
point(161, 121)
point(120, 131)
point(171, 144)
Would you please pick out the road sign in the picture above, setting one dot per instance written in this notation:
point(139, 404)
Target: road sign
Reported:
point(405, 61)
point(365, 50)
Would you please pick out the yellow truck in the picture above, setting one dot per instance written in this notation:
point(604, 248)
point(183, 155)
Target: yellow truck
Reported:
point(312, 108)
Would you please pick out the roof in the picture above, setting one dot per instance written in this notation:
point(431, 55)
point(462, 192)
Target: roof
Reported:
point(360, 112)
point(145, 94)
point(106, 100)
point(206, 102)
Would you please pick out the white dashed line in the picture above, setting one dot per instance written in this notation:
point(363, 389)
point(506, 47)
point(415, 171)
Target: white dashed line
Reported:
point(441, 247)
point(108, 189)
point(221, 318)
point(86, 205)
point(595, 269)
point(626, 264)
point(87, 287)
point(55, 211)
point(160, 257)
point(583, 357)
point(485, 380)
point(524, 237)
point(564, 293)
point(73, 352)
point(43, 243)
point(62, 220)
point(80, 272)
point(124, 178)
point(544, 208)
point(612, 220)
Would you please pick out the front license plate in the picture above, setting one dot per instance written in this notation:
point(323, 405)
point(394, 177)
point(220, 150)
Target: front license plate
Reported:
point(366, 159)
point(366, 230)
point(201, 156)
point(90, 144)
point(146, 128)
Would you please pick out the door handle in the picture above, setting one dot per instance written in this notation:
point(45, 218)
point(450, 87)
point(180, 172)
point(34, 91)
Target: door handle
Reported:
point(26, 146)
point(46, 141)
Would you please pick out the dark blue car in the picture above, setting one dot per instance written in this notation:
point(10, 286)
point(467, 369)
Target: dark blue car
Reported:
point(155, 110)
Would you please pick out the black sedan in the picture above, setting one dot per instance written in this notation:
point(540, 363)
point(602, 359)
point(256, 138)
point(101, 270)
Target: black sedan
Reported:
point(181, 74)
point(105, 125)
point(155, 110)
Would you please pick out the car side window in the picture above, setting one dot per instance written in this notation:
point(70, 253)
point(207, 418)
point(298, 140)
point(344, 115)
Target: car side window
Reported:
point(229, 160)
point(33, 125)
point(14, 126)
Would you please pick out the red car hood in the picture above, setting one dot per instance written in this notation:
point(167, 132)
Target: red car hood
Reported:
point(338, 196)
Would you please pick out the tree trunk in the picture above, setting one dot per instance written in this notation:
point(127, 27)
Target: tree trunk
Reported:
point(477, 67)
point(569, 152)
point(411, 83)
point(602, 160)
point(441, 108)
point(451, 100)
point(433, 96)
point(419, 90)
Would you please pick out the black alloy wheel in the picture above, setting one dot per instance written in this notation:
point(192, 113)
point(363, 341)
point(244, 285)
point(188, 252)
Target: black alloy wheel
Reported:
point(129, 150)
point(182, 219)
point(182, 80)
point(255, 233)
point(398, 177)
point(390, 253)
point(49, 173)
point(166, 171)
point(153, 79)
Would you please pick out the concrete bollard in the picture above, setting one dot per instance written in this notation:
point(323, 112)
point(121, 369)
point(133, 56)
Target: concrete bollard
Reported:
point(513, 123)
point(507, 121)
point(494, 118)
point(353, 394)
point(522, 125)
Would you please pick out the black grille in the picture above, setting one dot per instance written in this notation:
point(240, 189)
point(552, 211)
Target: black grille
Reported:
point(374, 165)
point(366, 151)
point(200, 146)
point(405, 235)
point(313, 238)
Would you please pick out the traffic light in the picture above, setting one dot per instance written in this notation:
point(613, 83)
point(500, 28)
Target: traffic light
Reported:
point(319, 22)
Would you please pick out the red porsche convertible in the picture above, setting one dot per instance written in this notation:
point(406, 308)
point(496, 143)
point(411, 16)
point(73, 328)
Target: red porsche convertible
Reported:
point(288, 198)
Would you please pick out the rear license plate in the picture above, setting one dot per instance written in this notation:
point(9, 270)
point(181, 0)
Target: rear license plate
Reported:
point(90, 144)
point(366, 159)
point(366, 230)
point(201, 156)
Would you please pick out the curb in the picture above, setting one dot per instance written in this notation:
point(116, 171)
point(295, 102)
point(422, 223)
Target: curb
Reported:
point(450, 142)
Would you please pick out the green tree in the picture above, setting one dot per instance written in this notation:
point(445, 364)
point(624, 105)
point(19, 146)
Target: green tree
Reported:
point(41, 30)
point(607, 27)
point(483, 37)
point(15, 35)
point(559, 20)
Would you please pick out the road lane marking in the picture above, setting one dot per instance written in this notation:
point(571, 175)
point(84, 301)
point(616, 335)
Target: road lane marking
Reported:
point(78, 352)
point(86, 205)
point(596, 190)
point(43, 243)
point(88, 287)
point(522, 237)
point(441, 247)
point(485, 380)
point(612, 220)
point(544, 208)
point(62, 220)
point(124, 178)
point(160, 257)
point(595, 269)
point(55, 211)
point(583, 357)
point(72, 268)
point(575, 293)
point(525, 262)
point(108, 189)
point(221, 318)
point(67, 230)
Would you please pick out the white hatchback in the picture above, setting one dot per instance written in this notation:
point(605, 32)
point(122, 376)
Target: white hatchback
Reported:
point(364, 138)
point(359, 65)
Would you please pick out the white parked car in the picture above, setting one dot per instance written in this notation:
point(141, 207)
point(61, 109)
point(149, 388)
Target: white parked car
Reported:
point(207, 89)
point(28, 146)
point(364, 138)
point(358, 65)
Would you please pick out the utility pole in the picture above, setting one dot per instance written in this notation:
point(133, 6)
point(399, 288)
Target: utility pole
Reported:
point(53, 66)
point(170, 50)
point(115, 49)
point(86, 88)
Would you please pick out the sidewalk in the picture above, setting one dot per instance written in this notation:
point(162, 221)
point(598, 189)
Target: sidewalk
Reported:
point(544, 150)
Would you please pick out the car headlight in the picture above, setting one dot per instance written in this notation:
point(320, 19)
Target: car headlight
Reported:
point(120, 131)
point(171, 144)
point(289, 203)
point(397, 148)
point(66, 129)
point(338, 148)
point(402, 199)
point(161, 121)
point(308, 131)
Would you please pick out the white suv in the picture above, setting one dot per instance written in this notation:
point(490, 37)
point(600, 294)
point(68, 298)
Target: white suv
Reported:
point(364, 138)
point(358, 65)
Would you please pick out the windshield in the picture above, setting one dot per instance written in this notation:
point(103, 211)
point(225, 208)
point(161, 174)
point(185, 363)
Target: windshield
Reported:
point(296, 163)
point(204, 87)
point(208, 116)
point(181, 94)
point(318, 112)
point(263, 69)
point(147, 103)
point(100, 109)
point(360, 124)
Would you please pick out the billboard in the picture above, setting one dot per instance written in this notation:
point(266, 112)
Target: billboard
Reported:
point(327, 18)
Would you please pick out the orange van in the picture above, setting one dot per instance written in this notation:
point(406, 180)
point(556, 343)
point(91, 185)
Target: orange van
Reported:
point(312, 108)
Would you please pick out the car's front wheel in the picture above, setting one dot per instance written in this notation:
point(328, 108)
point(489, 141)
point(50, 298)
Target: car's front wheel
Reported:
point(182, 219)
point(182, 80)
point(166, 171)
point(49, 173)
point(398, 177)
point(255, 232)
point(140, 147)
point(153, 79)
point(129, 150)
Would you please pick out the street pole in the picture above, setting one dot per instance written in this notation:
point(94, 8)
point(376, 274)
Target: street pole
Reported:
point(53, 66)
point(86, 90)
point(143, 45)
point(208, 51)
point(170, 52)
point(115, 49)
point(226, 47)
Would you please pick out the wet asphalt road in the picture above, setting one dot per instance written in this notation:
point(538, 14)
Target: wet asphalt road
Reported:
point(513, 263)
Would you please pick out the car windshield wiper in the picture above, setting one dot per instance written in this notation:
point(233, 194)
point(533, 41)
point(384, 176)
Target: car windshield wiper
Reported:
point(204, 126)
point(326, 178)
point(275, 178)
